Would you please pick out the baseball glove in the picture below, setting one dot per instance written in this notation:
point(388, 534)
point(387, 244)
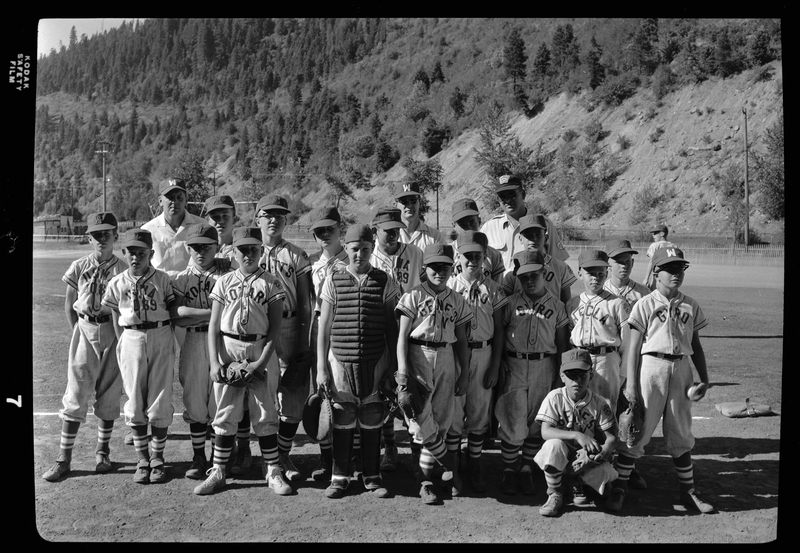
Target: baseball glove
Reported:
point(631, 420)
point(239, 374)
point(298, 371)
point(411, 395)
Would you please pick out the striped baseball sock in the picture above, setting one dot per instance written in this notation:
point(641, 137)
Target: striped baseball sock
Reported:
point(530, 447)
point(104, 429)
point(623, 465)
point(223, 445)
point(357, 441)
point(69, 431)
point(198, 431)
point(269, 448)
point(553, 478)
point(475, 444)
point(453, 443)
point(141, 439)
point(158, 443)
point(435, 449)
point(388, 433)
point(286, 432)
point(685, 470)
point(243, 431)
point(510, 455)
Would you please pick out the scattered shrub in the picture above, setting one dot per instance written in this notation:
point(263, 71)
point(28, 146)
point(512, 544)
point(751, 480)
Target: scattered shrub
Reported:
point(570, 135)
point(623, 141)
point(655, 134)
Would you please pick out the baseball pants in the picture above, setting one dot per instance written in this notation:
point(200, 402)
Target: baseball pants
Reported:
point(527, 383)
point(663, 384)
point(474, 405)
point(146, 362)
point(606, 379)
point(261, 396)
point(291, 399)
point(437, 368)
point(92, 368)
point(193, 374)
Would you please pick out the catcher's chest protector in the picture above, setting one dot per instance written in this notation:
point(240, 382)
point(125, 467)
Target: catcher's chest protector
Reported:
point(357, 332)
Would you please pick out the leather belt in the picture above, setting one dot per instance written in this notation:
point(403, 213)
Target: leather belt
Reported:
point(146, 326)
point(594, 350)
point(95, 320)
point(478, 345)
point(528, 356)
point(289, 314)
point(427, 344)
point(245, 337)
point(666, 356)
point(203, 328)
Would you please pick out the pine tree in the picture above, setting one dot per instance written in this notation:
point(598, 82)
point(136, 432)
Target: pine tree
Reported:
point(515, 58)
point(597, 73)
point(438, 74)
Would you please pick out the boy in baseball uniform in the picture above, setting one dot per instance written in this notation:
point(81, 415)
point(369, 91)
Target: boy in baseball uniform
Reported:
point(92, 362)
point(536, 330)
point(486, 343)
point(597, 325)
point(432, 335)
point(355, 355)
point(620, 283)
point(466, 217)
point(142, 302)
point(290, 265)
point(220, 213)
point(579, 432)
point(192, 289)
point(246, 316)
point(664, 334)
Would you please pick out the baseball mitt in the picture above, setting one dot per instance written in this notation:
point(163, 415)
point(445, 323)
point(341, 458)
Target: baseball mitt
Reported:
point(239, 374)
point(631, 421)
point(411, 395)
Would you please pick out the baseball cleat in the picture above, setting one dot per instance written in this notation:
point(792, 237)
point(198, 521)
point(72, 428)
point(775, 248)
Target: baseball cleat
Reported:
point(59, 469)
point(614, 503)
point(275, 480)
point(389, 461)
point(476, 478)
point(198, 468)
point(158, 471)
point(102, 462)
point(636, 481)
point(525, 478)
point(242, 462)
point(427, 494)
point(374, 484)
point(290, 472)
point(552, 505)
point(215, 481)
point(578, 497)
point(142, 474)
point(509, 485)
point(691, 500)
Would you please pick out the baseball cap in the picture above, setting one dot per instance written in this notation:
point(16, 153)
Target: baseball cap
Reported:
point(359, 233)
point(624, 246)
point(219, 202)
point(507, 182)
point(201, 233)
point(592, 258)
point(272, 201)
point(576, 359)
point(406, 189)
point(661, 227)
point(325, 217)
point(137, 237)
point(662, 256)
point(532, 221)
point(101, 221)
point(472, 241)
point(437, 253)
point(172, 183)
point(464, 208)
point(388, 217)
point(527, 262)
point(247, 236)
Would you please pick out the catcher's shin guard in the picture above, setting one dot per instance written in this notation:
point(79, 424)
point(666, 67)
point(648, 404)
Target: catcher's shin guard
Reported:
point(342, 451)
point(371, 450)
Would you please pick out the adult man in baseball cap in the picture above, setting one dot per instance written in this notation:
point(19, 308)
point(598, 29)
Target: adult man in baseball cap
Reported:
point(659, 232)
point(409, 201)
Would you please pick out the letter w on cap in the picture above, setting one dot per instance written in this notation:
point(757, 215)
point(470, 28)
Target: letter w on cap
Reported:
point(671, 253)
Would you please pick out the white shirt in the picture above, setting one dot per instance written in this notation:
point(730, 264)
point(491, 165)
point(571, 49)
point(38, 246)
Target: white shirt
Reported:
point(169, 246)
point(503, 235)
point(422, 236)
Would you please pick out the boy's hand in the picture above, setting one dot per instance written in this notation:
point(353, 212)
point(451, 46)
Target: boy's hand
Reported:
point(490, 378)
point(323, 377)
point(217, 373)
point(461, 383)
point(589, 444)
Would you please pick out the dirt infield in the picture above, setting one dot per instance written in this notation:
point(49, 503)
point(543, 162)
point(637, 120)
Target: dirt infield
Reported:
point(736, 461)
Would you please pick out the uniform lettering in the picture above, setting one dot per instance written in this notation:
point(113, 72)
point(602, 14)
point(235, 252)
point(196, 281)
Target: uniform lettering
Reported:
point(258, 296)
point(539, 310)
point(674, 313)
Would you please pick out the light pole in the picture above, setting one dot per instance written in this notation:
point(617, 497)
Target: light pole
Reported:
point(746, 188)
point(103, 151)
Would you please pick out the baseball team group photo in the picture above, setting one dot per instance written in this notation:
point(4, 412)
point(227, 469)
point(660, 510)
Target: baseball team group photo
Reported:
point(419, 356)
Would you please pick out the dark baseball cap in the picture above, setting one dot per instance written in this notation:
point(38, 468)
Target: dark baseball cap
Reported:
point(387, 218)
point(201, 233)
point(359, 233)
point(219, 202)
point(659, 228)
point(101, 221)
point(507, 182)
point(472, 241)
point(527, 262)
point(325, 217)
point(272, 201)
point(247, 236)
point(172, 183)
point(662, 256)
point(437, 253)
point(464, 208)
point(137, 237)
point(624, 246)
point(404, 190)
point(576, 359)
point(531, 220)
point(592, 258)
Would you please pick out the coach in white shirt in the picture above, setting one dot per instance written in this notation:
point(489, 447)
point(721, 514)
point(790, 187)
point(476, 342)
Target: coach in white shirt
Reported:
point(416, 232)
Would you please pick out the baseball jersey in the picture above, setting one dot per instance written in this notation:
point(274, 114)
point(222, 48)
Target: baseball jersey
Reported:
point(531, 324)
point(90, 278)
point(556, 273)
point(631, 292)
point(658, 245)
point(321, 267)
point(422, 236)
point(141, 299)
point(245, 300)
point(227, 251)
point(590, 415)
point(193, 287)
point(434, 317)
point(288, 263)
point(503, 234)
point(484, 296)
point(493, 266)
point(597, 320)
point(667, 325)
point(328, 288)
point(169, 246)
point(405, 267)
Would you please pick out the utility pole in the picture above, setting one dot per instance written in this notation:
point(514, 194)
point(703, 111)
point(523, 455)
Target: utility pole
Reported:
point(438, 184)
point(746, 188)
point(103, 151)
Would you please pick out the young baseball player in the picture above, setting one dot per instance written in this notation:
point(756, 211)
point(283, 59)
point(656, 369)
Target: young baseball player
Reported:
point(620, 283)
point(597, 325)
point(326, 226)
point(92, 361)
point(659, 233)
point(576, 424)
point(142, 301)
point(292, 268)
point(432, 335)
point(536, 335)
point(192, 289)
point(558, 276)
point(355, 354)
point(246, 316)
point(414, 230)
point(486, 343)
point(664, 335)
point(221, 213)
point(466, 217)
